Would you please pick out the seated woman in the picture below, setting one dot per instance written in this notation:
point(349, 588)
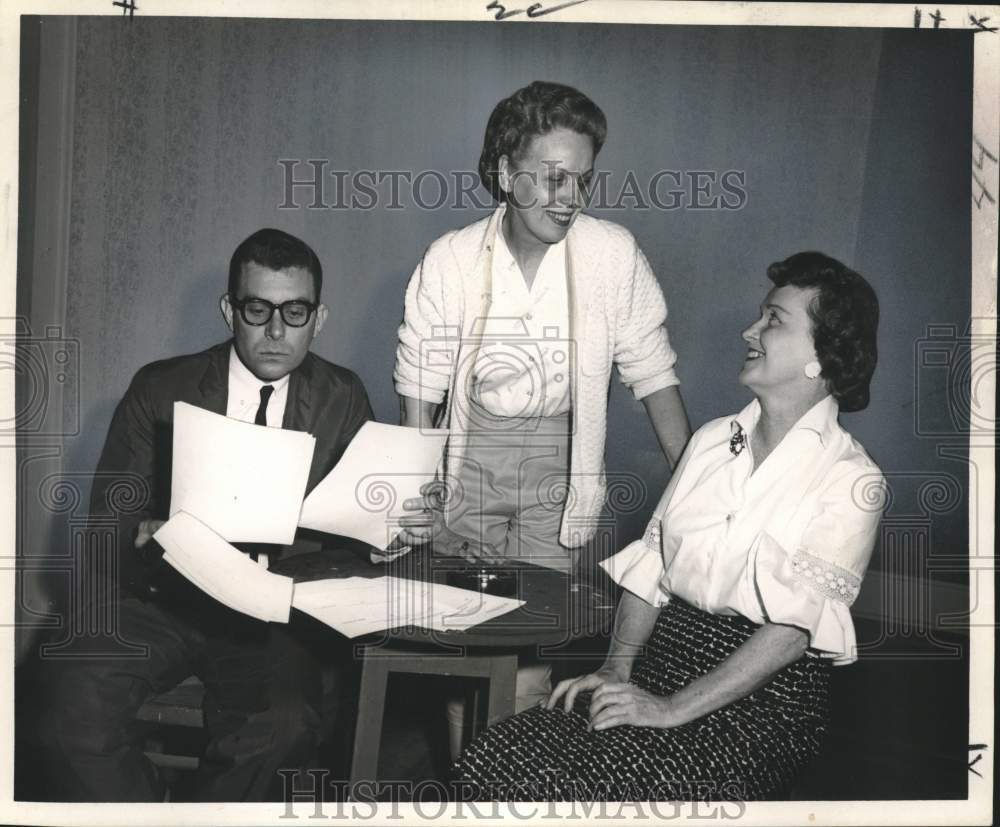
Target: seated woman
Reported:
point(736, 599)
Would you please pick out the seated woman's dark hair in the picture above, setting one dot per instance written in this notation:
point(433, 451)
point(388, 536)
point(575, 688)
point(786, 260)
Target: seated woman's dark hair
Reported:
point(845, 322)
point(536, 110)
point(276, 250)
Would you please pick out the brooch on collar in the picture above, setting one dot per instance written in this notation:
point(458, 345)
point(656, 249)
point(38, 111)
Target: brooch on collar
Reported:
point(738, 441)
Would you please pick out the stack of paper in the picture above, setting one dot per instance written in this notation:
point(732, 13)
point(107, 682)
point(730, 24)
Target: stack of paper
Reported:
point(359, 606)
point(234, 482)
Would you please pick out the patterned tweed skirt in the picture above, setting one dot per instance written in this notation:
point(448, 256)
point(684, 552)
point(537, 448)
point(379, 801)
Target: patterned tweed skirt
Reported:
point(749, 750)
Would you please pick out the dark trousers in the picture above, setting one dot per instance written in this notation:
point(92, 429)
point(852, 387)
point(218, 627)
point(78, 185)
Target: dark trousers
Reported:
point(262, 702)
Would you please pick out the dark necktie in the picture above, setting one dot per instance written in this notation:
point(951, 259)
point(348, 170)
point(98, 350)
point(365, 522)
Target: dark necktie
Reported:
point(256, 549)
point(265, 394)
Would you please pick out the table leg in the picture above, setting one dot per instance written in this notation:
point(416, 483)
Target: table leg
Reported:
point(503, 688)
point(475, 712)
point(500, 671)
point(371, 707)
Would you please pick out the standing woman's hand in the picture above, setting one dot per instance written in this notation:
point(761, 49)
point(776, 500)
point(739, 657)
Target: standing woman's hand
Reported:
point(427, 525)
point(426, 520)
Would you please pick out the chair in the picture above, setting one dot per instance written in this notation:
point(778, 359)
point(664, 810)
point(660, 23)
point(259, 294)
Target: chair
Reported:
point(179, 707)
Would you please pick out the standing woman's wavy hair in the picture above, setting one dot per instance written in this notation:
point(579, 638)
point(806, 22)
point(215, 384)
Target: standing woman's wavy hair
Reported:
point(845, 322)
point(536, 110)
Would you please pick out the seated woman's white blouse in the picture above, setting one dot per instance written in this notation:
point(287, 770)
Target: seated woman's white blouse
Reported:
point(786, 544)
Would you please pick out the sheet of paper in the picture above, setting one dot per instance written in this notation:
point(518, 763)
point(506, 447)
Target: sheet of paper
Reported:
point(224, 572)
point(245, 481)
point(353, 606)
point(363, 495)
point(357, 606)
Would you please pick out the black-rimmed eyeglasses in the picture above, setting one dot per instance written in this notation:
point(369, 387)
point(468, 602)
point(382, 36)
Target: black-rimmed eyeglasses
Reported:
point(256, 312)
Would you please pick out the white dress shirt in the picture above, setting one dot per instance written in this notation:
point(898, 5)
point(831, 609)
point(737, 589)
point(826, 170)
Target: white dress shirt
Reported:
point(243, 400)
point(244, 394)
point(786, 544)
point(522, 368)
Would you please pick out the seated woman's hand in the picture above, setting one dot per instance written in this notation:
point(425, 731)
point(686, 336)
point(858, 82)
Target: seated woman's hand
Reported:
point(614, 704)
point(571, 687)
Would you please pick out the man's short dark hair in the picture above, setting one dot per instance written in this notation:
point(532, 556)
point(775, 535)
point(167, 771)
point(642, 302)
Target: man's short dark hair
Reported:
point(276, 250)
point(844, 314)
point(535, 110)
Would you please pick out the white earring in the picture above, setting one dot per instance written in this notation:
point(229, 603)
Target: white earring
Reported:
point(812, 370)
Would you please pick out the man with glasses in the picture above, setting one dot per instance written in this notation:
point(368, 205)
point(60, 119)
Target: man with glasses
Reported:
point(262, 687)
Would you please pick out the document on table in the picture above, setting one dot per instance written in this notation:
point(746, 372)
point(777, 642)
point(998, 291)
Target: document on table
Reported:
point(357, 606)
point(222, 571)
point(245, 481)
point(363, 495)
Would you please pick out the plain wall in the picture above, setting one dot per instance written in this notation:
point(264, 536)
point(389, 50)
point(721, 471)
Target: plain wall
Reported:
point(853, 142)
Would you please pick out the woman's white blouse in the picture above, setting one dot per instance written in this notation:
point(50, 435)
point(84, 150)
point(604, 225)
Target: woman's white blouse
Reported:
point(786, 544)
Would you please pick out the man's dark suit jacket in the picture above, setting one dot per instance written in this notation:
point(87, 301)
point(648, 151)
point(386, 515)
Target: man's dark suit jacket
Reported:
point(133, 476)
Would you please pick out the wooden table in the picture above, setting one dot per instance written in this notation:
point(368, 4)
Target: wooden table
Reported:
point(557, 610)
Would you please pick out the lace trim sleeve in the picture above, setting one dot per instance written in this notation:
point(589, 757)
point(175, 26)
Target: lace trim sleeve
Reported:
point(652, 536)
point(828, 579)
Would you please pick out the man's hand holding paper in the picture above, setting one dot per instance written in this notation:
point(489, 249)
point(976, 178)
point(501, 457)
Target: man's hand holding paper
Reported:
point(145, 531)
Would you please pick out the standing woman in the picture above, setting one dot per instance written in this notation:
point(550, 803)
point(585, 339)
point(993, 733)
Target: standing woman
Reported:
point(736, 599)
point(511, 327)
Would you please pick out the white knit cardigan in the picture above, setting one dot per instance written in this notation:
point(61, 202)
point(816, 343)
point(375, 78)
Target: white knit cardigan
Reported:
point(617, 315)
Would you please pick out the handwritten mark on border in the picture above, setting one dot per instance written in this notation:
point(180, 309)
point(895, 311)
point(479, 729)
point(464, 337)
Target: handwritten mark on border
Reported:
point(978, 161)
point(500, 11)
point(980, 24)
point(983, 153)
point(977, 748)
point(936, 16)
point(127, 6)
